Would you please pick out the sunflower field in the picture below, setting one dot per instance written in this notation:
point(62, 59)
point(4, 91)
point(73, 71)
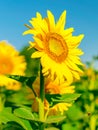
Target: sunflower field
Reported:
point(46, 86)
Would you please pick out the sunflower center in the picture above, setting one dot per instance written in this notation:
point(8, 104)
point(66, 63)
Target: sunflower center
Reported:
point(56, 47)
point(6, 66)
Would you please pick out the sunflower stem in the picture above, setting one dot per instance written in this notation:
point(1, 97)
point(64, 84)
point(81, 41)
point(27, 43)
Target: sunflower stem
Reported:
point(41, 100)
point(2, 101)
point(33, 91)
point(42, 90)
point(41, 126)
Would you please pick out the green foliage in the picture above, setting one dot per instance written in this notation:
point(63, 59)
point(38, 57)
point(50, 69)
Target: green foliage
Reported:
point(16, 108)
point(75, 113)
point(24, 112)
point(69, 127)
point(25, 80)
point(32, 64)
point(6, 116)
point(55, 119)
point(53, 99)
point(52, 128)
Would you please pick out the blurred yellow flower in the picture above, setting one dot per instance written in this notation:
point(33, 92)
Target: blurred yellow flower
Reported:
point(56, 47)
point(58, 89)
point(59, 108)
point(52, 88)
point(10, 63)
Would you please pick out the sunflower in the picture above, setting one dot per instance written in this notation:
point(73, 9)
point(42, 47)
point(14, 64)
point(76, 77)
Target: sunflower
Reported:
point(52, 88)
point(59, 108)
point(56, 47)
point(10, 63)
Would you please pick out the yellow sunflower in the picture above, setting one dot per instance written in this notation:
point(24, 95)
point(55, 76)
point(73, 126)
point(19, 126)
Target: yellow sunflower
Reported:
point(10, 63)
point(56, 47)
point(52, 88)
point(58, 89)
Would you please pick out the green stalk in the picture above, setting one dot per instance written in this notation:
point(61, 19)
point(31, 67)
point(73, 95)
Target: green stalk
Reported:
point(41, 101)
point(92, 123)
point(41, 126)
point(42, 89)
point(2, 101)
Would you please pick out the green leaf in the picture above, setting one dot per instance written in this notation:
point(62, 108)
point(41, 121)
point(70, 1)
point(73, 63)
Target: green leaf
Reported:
point(7, 116)
point(73, 111)
point(55, 119)
point(25, 113)
point(27, 80)
point(52, 128)
point(4, 119)
point(53, 99)
point(69, 127)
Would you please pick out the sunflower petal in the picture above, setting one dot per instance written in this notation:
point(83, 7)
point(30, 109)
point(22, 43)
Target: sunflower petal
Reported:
point(67, 33)
point(68, 74)
point(32, 44)
point(73, 66)
point(61, 22)
point(38, 15)
point(51, 20)
point(74, 41)
point(76, 75)
point(38, 42)
point(37, 54)
point(76, 52)
point(75, 59)
point(30, 31)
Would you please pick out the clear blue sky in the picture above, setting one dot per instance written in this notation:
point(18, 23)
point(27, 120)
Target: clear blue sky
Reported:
point(81, 14)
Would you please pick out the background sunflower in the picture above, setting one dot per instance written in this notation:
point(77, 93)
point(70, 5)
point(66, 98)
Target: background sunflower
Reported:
point(10, 63)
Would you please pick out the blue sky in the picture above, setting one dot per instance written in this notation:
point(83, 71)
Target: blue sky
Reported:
point(81, 14)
